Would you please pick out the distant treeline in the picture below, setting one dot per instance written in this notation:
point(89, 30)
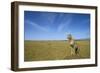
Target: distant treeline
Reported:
point(59, 40)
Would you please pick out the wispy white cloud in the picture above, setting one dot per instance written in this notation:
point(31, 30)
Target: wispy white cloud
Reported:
point(48, 17)
point(64, 24)
point(37, 26)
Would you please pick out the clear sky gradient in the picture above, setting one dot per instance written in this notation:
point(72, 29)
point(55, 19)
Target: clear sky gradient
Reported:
point(55, 25)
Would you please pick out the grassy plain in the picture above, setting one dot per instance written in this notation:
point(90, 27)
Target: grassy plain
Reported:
point(54, 50)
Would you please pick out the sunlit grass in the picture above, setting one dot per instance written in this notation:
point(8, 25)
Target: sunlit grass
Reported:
point(54, 50)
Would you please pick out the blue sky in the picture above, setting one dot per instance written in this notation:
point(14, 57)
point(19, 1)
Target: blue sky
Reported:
point(55, 25)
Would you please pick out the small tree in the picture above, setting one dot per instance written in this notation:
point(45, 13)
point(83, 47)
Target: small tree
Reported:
point(71, 41)
point(73, 44)
point(69, 37)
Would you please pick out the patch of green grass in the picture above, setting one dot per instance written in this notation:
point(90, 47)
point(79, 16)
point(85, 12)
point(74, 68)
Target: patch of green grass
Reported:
point(54, 50)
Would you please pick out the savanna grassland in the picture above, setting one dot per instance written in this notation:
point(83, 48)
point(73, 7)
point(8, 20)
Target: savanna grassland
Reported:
point(54, 50)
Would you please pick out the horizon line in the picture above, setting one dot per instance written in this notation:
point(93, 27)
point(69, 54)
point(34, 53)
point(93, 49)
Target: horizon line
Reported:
point(56, 40)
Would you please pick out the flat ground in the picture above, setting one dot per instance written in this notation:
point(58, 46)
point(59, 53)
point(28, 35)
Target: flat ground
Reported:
point(54, 50)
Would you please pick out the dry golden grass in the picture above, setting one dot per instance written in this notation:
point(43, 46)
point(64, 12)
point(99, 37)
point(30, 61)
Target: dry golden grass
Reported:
point(54, 50)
